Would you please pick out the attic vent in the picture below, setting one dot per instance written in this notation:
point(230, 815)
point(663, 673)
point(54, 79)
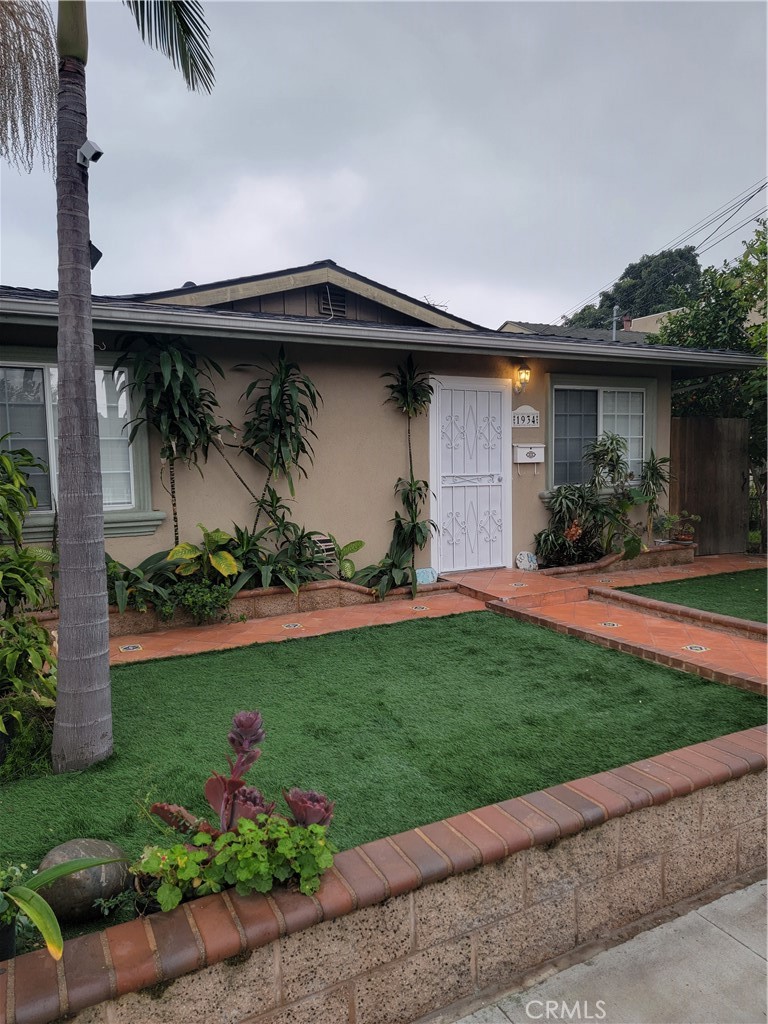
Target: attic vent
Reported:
point(333, 301)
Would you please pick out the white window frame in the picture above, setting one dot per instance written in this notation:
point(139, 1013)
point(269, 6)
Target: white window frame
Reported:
point(648, 386)
point(135, 519)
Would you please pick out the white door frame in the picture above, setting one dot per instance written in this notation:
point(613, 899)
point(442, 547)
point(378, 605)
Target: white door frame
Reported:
point(471, 383)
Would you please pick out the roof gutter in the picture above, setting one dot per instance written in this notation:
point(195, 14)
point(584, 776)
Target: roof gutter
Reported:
point(197, 322)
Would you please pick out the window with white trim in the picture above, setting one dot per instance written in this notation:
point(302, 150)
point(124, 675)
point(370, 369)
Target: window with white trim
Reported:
point(29, 412)
point(583, 413)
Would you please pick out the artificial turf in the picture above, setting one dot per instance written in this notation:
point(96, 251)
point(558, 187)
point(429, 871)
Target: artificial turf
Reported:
point(401, 725)
point(730, 593)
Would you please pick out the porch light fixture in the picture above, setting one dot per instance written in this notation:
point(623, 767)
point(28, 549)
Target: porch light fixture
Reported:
point(522, 378)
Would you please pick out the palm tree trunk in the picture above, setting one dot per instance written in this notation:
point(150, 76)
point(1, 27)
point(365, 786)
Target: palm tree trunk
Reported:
point(82, 732)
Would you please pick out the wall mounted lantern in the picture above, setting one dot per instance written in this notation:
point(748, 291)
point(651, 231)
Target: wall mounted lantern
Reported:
point(522, 378)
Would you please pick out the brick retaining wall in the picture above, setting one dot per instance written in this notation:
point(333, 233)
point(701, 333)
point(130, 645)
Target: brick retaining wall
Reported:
point(406, 925)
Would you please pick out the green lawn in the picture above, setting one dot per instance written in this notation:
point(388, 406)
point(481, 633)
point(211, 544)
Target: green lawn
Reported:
point(401, 725)
point(731, 593)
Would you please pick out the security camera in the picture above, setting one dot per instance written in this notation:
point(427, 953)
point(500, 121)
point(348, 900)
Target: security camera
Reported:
point(89, 151)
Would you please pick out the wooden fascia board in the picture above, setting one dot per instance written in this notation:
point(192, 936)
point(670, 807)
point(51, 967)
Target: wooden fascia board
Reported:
point(248, 289)
point(319, 275)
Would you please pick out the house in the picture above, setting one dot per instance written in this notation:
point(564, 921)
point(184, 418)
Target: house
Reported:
point(495, 440)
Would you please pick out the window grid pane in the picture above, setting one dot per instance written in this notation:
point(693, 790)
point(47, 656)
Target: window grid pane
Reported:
point(22, 414)
point(575, 426)
point(116, 476)
point(624, 414)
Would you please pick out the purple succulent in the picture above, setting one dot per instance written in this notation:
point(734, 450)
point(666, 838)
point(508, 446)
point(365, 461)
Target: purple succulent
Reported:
point(249, 802)
point(247, 731)
point(309, 807)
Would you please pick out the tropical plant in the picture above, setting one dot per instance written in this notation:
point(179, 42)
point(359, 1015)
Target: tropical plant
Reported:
point(147, 583)
point(606, 457)
point(345, 564)
point(201, 558)
point(27, 657)
point(19, 894)
point(677, 524)
point(411, 393)
point(654, 479)
point(202, 597)
point(394, 570)
point(250, 846)
point(168, 378)
point(411, 532)
point(278, 424)
point(592, 519)
point(34, 99)
point(17, 495)
point(27, 670)
point(24, 581)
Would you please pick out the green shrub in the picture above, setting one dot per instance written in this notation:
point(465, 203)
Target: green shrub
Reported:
point(203, 598)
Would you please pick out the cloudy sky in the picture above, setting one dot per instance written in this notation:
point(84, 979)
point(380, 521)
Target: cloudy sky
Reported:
point(505, 159)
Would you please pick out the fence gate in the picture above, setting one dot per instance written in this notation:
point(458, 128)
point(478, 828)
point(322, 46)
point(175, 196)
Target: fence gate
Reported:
point(711, 478)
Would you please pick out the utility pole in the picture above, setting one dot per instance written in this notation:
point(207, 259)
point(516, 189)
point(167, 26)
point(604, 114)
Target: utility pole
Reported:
point(614, 319)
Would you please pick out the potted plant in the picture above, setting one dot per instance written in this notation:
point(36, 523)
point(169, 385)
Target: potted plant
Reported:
point(685, 529)
point(19, 895)
point(678, 526)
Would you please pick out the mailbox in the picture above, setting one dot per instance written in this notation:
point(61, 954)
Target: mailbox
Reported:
point(527, 452)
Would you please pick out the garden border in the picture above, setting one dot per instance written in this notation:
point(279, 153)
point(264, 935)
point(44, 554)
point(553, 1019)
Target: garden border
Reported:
point(259, 604)
point(408, 924)
point(666, 554)
point(683, 613)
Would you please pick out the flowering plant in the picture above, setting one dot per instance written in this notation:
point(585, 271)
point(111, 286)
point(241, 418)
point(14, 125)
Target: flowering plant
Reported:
point(251, 846)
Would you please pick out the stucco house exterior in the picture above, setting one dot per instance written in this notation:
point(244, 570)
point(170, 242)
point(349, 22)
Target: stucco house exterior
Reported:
point(489, 449)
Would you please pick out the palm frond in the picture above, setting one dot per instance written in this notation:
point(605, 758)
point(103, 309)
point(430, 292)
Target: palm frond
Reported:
point(178, 29)
point(28, 83)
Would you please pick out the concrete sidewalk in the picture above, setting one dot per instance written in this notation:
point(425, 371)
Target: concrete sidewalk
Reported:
point(707, 967)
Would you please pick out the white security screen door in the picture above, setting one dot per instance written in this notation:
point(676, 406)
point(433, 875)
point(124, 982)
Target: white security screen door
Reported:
point(471, 452)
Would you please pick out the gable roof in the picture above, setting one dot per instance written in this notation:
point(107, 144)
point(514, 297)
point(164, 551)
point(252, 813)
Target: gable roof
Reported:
point(321, 272)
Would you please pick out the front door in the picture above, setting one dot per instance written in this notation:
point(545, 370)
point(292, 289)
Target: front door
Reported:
point(471, 451)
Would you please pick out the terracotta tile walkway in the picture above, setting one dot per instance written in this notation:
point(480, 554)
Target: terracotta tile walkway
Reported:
point(557, 602)
point(563, 601)
point(195, 639)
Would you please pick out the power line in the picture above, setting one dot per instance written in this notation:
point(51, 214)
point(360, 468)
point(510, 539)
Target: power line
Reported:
point(729, 217)
point(731, 208)
point(738, 227)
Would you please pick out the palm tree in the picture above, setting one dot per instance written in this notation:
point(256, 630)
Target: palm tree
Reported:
point(83, 724)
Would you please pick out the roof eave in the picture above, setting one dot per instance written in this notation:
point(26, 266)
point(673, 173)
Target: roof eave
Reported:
point(199, 323)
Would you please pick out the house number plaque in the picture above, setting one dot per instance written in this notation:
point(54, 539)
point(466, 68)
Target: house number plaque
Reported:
point(525, 416)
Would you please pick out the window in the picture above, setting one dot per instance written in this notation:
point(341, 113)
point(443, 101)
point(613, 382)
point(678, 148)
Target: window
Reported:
point(29, 409)
point(582, 413)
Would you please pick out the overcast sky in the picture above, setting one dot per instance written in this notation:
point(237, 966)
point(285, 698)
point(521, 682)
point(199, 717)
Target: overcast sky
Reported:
point(505, 159)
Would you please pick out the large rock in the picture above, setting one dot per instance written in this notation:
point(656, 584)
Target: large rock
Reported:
point(72, 897)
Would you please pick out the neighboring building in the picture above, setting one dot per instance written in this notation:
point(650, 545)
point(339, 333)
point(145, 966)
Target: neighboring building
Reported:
point(479, 447)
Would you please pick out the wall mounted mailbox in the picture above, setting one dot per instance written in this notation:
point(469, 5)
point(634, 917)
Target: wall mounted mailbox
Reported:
point(527, 452)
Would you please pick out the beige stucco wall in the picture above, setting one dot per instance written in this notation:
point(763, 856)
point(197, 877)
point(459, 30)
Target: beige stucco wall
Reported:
point(360, 450)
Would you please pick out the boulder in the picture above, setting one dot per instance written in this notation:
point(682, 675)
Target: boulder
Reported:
point(72, 897)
